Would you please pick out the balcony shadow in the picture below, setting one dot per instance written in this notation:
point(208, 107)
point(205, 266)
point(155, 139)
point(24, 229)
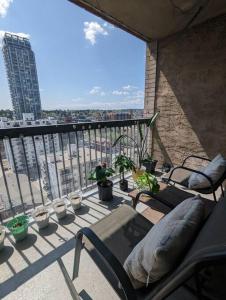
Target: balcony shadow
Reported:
point(83, 210)
point(69, 218)
point(52, 228)
point(6, 253)
point(83, 294)
point(117, 200)
point(196, 112)
point(28, 242)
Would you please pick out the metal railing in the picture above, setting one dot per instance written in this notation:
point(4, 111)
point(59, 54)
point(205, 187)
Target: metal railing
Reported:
point(41, 163)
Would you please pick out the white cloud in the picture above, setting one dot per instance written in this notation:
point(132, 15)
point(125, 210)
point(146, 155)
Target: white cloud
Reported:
point(108, 25)
point(21, 34)
point(4, 6)
point(97, 90)
point(92, 29)
point(129, 87)
point(120, 93)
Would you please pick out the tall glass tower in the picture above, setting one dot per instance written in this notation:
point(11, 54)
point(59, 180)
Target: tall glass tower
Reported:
point(22, 75)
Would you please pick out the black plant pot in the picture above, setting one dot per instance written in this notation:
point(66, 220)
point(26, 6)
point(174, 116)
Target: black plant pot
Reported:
point(150, 166)
point(105, 192)
point(123, 184)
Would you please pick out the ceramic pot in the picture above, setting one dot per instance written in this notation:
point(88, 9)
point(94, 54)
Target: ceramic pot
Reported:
point(60, 208)
point(41, 217)
point(2, 236)
point(76, 200)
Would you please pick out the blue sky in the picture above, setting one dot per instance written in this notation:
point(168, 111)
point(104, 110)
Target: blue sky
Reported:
point(82, 61)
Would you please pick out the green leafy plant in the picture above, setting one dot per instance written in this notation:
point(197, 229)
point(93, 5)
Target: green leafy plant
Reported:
point(18, 227)
point(100, 174)
point(147, 181)
point(124, 163)
point(141, 146)
point(147, 158)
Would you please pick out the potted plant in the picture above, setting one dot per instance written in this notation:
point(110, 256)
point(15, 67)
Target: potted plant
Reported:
point(75, 199)
point(41, 216)
point(147, 181)
point(18, 226)
point(140, 146)
point(2, 236)
point(124, 163)
point(149, 163)
point(60, 208)
point(100, 174)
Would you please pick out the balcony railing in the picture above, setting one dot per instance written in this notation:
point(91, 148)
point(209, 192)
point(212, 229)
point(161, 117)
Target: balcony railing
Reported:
point(39, 164)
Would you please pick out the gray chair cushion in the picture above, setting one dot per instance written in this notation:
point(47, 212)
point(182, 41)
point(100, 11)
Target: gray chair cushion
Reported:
point(164, 244)
point(215, 169)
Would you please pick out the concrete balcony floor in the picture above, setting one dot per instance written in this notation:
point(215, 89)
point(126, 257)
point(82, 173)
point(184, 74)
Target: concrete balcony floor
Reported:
point(35, 267)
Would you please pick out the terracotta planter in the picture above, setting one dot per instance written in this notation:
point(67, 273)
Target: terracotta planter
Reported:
point(18, 226)
point(137, 173)
point(60, 208)
point(76, 200)
point(2, 236)
point(123, 184)
point(105, 192)
point(41, 217)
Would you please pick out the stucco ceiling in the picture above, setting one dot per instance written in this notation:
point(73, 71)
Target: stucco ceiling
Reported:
point(154, 19)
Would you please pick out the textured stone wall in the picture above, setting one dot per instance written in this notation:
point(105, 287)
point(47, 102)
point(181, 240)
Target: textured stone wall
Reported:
point(189, 91)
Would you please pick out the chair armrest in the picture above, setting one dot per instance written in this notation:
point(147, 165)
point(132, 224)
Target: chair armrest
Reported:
point(195, 156)
point(192, 170)
point(154, 196)
point(109, 260)
point(136, 200)
point(192, 267)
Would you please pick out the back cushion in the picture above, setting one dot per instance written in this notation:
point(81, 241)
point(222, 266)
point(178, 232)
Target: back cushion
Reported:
point(215, 169)
point(160, 249)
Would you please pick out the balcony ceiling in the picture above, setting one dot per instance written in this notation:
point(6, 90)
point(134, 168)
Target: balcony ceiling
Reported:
point(154, 19)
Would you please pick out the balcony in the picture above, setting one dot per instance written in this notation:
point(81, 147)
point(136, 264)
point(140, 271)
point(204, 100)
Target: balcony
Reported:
point(42, 257)
point(184, 80)
point(74, 150)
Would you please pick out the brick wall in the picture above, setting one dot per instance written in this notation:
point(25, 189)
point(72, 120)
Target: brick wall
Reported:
point(186, 82)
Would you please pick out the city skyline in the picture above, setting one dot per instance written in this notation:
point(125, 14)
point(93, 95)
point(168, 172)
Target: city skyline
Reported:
point(84, 63)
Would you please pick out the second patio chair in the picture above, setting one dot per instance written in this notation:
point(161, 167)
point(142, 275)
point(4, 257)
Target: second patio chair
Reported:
point(181, 175)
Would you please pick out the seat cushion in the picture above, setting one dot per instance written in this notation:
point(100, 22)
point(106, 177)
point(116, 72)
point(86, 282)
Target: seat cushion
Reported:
point(215, 169)
point(165, 243)
point(120, 231)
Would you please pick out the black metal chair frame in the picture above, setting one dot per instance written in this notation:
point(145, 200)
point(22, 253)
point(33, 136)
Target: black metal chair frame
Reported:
point(213, 186)
point(208, 257)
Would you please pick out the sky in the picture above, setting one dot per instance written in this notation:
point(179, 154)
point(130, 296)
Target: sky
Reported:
point(82, 61)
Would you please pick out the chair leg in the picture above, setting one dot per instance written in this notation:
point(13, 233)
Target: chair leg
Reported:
point(222, 190)
point(78, 248)
point(214, 196)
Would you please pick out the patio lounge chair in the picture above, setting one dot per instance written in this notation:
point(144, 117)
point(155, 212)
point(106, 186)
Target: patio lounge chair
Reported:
point(170, 197)
point(181, 174)
point(201, 273)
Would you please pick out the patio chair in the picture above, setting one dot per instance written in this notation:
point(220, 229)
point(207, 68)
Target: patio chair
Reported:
point(111, 240)
point(184, 173)
point(170, 197)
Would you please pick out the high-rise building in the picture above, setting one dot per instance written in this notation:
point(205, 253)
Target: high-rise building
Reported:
point(17, 151)
point(22, 75)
